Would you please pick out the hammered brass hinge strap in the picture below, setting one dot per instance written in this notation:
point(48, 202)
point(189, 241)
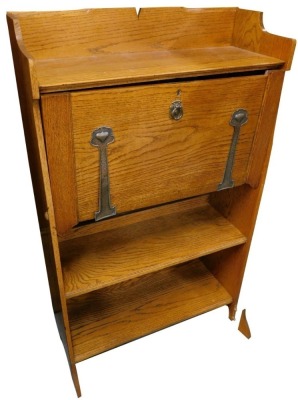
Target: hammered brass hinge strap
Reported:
point(239, 118)
point(101, 137)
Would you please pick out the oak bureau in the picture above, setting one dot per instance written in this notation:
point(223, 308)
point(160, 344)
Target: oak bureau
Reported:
point(148, 149)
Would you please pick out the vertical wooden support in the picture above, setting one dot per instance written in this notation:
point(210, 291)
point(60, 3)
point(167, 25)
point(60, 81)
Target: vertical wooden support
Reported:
point(28, 94)
point(240, 204)
point(64, 327)
point(75, 379)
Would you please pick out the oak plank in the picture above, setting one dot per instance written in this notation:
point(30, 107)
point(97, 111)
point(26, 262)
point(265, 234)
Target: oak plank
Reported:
point(240, 205)
point(117, 46)
point(85, 32)
point(33, 129)
point(71, 73)
point(250, 34)
point(155, 159)
point(93, 262)
point(56, 112)
point(116, 315)
point(120, 221)
point(265, 128)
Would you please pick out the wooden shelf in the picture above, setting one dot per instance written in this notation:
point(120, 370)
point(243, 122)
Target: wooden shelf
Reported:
point(107, 258)
point(115, 315)
point(60, 74)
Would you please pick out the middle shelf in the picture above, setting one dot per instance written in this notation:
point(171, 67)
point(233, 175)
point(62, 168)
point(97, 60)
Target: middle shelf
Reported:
point(193, 229)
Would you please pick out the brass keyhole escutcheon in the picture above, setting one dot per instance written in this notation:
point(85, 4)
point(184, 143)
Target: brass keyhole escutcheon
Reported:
point(176, 110)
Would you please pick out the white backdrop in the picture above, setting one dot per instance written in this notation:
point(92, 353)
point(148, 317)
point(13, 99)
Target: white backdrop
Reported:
point(205, 357)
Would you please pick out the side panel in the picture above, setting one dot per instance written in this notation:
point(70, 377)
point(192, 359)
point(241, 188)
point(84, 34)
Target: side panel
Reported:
point(240, 205)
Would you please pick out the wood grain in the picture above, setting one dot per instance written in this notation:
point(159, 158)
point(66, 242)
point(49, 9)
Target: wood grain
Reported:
point(154, 158)
point(123, 68)
point(116, 315)
point(46, 35)
point(33, 130)
point(121, 221)
point(249, 33)
point(127, 48)
point(265, 128)
point(240, 205)
point(58, 133)
point(127, 277)
point(103, 259)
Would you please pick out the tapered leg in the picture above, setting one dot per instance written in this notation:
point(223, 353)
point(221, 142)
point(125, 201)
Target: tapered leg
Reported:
point(75, 379)
point(232, 311)
point(243, 325)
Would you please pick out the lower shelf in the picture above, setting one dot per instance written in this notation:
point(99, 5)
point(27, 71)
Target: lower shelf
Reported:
point(118, 314)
